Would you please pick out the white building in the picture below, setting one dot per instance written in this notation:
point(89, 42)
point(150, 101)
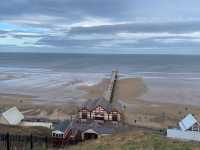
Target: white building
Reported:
point(189, 129)
point(37, 122)
point(11, 117)
point(14, 117)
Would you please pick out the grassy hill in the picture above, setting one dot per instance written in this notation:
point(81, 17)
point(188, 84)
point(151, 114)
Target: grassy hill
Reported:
point(135, 141)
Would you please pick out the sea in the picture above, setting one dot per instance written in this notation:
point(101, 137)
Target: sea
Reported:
point(55, 76)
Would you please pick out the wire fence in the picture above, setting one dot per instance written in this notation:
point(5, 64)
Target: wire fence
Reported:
point(24, 142)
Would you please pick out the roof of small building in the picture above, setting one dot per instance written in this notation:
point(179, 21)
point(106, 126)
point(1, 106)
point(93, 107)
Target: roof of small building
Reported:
point(37, 120)
point(13, 116)
point(101, 101)
point(76, 126)
point(103, 130)
point(90, 131)
point(187, 122)
point(62, 125)
point(95, 127)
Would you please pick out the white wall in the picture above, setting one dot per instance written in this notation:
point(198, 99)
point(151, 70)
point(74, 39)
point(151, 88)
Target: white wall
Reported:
point(184, 135)
point(37, 124)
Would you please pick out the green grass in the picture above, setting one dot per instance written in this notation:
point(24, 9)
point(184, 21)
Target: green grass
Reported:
point(135, 141)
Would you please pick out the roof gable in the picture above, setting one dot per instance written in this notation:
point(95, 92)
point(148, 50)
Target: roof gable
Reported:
point(93, 104)
point(13, 116)
point(99, 108)
point(187, 122)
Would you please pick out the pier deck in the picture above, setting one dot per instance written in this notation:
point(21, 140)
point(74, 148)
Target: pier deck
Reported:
point(109, 94)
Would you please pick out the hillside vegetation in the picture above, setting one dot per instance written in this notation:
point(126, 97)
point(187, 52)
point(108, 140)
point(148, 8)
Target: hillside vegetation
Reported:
point(135, 141)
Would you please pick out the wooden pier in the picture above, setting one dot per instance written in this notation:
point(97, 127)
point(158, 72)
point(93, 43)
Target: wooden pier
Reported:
point(109, 93)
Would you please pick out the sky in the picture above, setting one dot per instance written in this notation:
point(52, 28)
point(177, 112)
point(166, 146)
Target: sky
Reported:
point(100, 26)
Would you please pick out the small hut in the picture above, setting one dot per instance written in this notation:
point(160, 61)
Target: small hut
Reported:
point(189, 129)
point(189, 123)
point(96, 132)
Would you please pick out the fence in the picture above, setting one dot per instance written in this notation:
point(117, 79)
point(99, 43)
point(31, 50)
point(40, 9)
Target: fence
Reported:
point(23, 142)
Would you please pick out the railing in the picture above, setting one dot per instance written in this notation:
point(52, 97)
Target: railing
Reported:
point(24, 142)
point(110, 91)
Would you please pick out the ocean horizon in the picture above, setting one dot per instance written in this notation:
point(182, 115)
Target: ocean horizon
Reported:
point(126, 63)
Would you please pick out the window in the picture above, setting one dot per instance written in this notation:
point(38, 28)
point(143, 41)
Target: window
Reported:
point(99, 116)
point(84, 115)
point(114, 117)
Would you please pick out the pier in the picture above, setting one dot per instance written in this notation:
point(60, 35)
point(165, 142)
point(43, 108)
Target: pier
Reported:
point(109, 93)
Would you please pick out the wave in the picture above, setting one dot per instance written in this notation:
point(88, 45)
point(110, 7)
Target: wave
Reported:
point(38, 75)
point(45, 83)
point(50, 78)
point(163, 75)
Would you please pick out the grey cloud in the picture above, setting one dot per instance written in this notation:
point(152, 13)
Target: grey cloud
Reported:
point(111, 31)
point(69, 9)
point(171, 27)
point(3, 36)
point(20, 36)
point(161, 43)
point(117, 43)
point(155, 16)
point(3, 32)
point(66, 42)
point(116, 9)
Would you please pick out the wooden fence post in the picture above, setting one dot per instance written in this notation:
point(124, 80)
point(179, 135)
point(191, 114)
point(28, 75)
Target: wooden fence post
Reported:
point(31, 141)
point(46, 142)
point(8, 141)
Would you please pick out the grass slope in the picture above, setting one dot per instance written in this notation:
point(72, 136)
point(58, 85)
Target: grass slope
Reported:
point(135, 141)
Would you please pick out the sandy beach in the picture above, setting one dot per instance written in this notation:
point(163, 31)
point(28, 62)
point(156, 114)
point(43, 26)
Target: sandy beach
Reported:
point(29, 106)
point(130, 91)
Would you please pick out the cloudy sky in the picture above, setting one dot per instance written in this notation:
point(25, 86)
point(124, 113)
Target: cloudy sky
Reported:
point(100, 26)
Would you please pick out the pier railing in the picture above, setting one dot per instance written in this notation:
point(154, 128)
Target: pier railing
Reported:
point(109, 94)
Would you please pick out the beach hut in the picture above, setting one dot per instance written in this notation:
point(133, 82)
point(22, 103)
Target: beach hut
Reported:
point(11, 117)
point(189, 123)
point(189, 129)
